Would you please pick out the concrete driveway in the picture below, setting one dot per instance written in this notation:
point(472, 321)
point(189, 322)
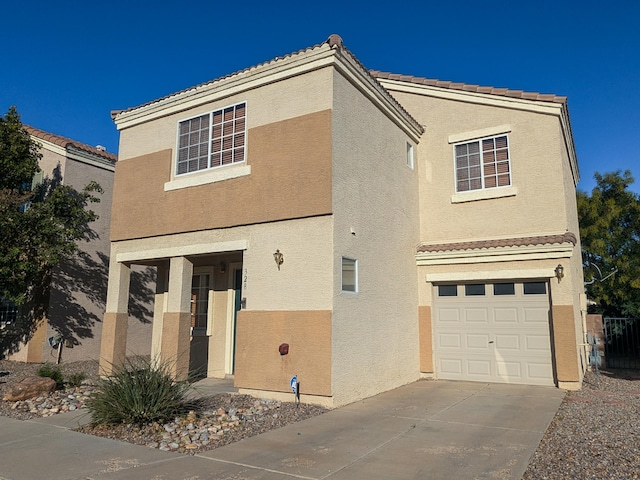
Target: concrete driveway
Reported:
point(428, 429)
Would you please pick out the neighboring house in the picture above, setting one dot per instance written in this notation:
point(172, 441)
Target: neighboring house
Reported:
point(78, 290)
point(358, 230)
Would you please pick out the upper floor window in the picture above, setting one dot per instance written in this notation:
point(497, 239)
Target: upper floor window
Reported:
point(212, 140)
point(410, 162)
point(483, 164)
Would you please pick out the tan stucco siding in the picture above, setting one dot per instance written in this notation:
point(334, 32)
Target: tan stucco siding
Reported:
point(375, 202)
point(290, 178)
point(564, 338)
point(426, 339)
point(536, 156)
point(260, 366)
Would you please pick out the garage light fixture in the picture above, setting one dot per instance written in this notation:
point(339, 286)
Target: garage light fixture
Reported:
point(559, 272)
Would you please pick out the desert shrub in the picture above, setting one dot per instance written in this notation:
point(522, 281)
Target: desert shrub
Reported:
point(53, 372)
point(75, 379)
point(139, 392)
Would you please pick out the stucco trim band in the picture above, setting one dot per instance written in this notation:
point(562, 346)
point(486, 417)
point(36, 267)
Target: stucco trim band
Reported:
point(490, 275)
point(182, 250)
point(500, 254)
point(425, 333)
point(475, 134)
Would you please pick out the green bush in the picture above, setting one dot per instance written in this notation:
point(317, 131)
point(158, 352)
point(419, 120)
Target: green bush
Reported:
point(139, 392)
point(53, 372)
point(75, 379)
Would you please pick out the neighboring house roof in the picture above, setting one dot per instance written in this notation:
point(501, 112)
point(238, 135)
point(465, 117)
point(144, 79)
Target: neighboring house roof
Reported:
point(567, 237)
point(67, 142)
point(505, 92)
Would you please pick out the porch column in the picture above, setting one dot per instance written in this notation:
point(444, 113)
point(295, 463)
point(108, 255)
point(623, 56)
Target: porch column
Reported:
point(113, 344)
point(176, 323)
point(159, 308)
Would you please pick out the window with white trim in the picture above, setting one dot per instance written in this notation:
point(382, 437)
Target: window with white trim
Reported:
point(410, 162)
point(482, 164)
point(212, 140)
point(349, 275)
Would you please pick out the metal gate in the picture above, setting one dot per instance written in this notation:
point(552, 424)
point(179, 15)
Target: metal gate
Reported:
point(622, 345)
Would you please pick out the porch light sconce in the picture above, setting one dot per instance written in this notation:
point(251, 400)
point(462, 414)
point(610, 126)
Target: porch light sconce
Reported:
point(222, 268)
point(559, 272)
point(279, 258)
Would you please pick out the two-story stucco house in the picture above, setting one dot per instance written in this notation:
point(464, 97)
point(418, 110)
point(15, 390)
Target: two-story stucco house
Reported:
point(77, 295)
point(359, 230)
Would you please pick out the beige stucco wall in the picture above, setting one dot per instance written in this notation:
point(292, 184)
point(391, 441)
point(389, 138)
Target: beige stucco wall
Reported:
point(375, 203)
point(537, 172)
point(303, 282)
point(271, 103)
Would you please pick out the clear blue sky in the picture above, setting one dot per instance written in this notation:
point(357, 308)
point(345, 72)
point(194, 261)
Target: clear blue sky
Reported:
point(67, 64)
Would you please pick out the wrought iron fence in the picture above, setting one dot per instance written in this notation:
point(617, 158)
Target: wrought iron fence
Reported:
point(622, 344)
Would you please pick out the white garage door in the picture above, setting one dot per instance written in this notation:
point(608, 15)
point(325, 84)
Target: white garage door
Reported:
point(493, 332)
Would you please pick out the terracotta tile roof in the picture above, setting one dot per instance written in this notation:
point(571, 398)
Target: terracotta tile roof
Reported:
point(65, 142)
point(215, 80)
point(504, 92)
point(334, 41)
point(567, 237)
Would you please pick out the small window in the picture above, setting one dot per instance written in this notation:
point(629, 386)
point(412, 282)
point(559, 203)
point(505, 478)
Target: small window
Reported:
point(483, 164)
point(349, 275)
point(535, 288)
point(504, 289)
point(410, 155)
point(447, 290)
point(474, 289)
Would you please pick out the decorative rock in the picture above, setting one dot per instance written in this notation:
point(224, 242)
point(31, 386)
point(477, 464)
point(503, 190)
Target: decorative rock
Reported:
point(30, 387)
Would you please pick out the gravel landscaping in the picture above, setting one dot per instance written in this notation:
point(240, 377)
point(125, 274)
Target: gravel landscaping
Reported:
point(219, 420)
point(594, 435)
point(596, 432)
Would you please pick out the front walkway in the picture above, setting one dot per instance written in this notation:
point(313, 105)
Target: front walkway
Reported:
point(428, 429)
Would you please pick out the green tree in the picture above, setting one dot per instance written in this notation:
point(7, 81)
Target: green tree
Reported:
point(41, 225)
point(610, 235)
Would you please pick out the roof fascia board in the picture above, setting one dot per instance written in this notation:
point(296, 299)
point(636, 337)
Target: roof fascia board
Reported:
point(354, 73)
point(536, 106)
point(277, 70)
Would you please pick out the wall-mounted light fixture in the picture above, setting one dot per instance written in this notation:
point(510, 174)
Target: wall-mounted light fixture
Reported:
point(222, 267)
point(559, 272)
point(279, 258)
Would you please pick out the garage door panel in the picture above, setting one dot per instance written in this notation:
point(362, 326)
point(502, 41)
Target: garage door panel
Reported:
point(540, 373)
point(493, 338)
point(451, 367)
point(449, 340)
point(479, 368)
point(449, 315)
point(537, 343)
point(536, 315)
point(510, 372)
point(476, 315)
point(505, 315)
point(478, 341)
point(509, 343)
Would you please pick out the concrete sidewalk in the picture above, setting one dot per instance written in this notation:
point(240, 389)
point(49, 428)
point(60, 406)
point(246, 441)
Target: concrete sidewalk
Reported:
point(428, 429)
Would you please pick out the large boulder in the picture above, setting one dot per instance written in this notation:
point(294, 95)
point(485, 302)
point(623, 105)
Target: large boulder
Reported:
point(30, 387)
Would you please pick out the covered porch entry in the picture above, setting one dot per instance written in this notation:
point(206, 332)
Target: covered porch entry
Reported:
point(195, 309)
